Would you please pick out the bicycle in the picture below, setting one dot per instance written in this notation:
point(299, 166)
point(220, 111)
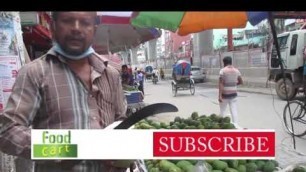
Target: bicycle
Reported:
point(298, 115)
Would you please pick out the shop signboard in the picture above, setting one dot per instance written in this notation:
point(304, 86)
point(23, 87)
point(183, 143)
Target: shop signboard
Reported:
point(29, 18)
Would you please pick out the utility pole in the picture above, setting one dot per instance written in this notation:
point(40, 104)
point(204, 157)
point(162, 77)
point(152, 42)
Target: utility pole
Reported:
point(230, 39)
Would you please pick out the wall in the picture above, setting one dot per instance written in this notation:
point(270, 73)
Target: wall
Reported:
point(251, 63)
point(11, 59)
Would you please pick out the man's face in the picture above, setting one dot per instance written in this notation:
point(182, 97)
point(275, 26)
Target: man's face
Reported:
point(124, 70)
point(74, 31)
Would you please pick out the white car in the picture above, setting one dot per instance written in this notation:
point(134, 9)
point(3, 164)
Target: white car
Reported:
point(197, 74)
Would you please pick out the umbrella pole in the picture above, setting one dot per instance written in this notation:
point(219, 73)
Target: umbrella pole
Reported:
point(273, 29)
point(108, 35)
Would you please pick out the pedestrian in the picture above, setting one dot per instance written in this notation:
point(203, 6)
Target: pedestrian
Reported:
point(140, 79)
point(70, 87)
point(125, 75)
point(135, 73)
point(162, 74)
point(229, 78)
point(156, 73)
point(130, 72)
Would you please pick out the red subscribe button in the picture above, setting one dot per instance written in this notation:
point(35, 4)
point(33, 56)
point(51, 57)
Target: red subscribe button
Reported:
point(214, 144)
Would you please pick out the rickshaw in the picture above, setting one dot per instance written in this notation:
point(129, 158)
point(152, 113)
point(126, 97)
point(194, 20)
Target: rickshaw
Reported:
point(181, 77)
point(149, 71)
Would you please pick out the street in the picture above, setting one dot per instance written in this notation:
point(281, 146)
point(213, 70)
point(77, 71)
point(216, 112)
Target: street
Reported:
point(255, 111)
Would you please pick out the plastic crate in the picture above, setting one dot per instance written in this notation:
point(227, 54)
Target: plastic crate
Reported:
point(133, 97)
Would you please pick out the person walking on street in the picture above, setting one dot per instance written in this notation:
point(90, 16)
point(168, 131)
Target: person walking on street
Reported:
point(140, 78)
point(229, 78)
point(70, 87)
point(162, 74)
point(156, 73)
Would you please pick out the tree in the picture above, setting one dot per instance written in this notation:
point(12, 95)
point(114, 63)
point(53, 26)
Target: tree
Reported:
point(279, 25)
point(264, 27)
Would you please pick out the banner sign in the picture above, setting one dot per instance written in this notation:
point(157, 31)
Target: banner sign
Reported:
point(153, 144)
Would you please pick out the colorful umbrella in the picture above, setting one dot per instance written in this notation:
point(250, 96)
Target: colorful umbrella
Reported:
point(115, 33)
point(192, 22)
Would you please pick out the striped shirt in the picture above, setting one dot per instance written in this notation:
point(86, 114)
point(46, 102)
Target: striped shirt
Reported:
point(47, 94)
point(229, 76)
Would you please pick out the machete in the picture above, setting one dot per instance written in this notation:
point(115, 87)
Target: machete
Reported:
point(145, 112)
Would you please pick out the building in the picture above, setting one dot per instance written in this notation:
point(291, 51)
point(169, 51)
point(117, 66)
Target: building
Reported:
point(160, 46)
point(202, 45)
point(244, 40)
point(178, 47)
point(295, 24)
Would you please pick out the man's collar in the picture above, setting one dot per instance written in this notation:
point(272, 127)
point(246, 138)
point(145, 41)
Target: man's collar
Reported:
point(98, 62)
point(52, 52)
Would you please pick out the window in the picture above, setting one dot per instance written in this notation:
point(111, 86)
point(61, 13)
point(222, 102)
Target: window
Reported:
point(293, 45)
point(282, 41)
point(195, 69)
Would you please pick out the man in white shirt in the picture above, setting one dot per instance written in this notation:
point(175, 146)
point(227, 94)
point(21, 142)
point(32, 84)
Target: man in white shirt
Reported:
point(156, 72)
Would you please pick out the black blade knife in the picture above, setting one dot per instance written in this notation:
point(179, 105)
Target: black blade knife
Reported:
point(145, 112)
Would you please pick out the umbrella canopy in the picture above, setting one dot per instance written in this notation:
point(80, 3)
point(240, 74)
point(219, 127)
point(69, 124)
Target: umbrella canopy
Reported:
point(115, 33)
point(191, 22)
point(182, 67)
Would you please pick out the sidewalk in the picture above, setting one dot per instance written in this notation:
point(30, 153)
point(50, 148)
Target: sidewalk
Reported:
point(257, 85)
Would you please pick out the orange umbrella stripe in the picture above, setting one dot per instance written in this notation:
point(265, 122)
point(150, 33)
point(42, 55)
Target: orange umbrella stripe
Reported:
point(199, 21)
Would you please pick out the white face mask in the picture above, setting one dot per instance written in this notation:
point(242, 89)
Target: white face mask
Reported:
point(85, 54)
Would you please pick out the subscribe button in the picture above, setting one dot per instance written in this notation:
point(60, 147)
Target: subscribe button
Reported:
point(214, 144)
point(152, 144)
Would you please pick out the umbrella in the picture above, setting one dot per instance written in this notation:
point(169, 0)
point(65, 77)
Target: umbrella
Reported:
point(115, 33)
point(191, 22)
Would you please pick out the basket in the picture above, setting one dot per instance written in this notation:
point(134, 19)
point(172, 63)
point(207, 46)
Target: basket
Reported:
point(133, 97)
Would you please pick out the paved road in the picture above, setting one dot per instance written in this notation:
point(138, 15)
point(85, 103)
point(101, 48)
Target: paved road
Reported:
point(255, 111)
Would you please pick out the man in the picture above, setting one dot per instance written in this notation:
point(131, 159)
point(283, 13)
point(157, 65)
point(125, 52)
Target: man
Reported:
point(125, 76)
point(139, 79)
point(162, 74)
point(230, 77)
point(70, 87)
point(155, 73)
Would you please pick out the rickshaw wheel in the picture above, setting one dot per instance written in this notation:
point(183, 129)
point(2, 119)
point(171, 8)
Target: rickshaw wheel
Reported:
point(192, 87)
point(174, 90)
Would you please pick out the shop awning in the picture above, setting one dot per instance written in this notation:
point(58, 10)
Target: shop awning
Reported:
point(38, 36)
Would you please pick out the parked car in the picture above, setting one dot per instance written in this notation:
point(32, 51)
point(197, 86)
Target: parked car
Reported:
point(197, 74)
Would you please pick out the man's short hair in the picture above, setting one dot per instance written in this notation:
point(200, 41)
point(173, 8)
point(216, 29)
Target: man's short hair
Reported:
point(227, 60)
point(55, 14)
point(124, 66)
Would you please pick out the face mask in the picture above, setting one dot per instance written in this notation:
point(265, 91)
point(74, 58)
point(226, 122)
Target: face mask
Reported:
point(59, 50)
